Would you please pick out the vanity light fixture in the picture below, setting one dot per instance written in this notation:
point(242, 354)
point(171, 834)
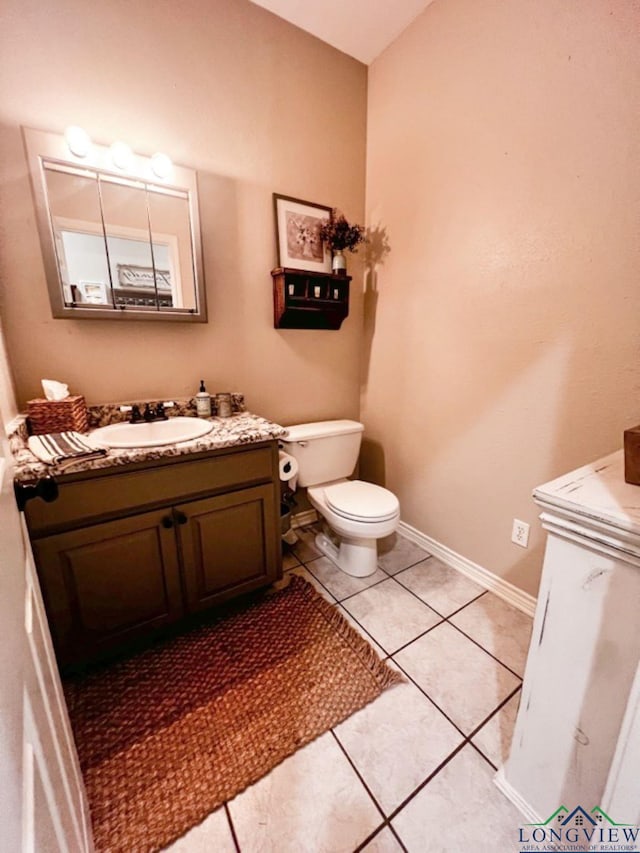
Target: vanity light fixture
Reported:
point(121, 155)
point(78, 140)
point(161, 165)
point(79, 144)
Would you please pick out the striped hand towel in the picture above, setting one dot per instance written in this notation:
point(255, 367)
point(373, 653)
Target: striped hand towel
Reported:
point(56, 447)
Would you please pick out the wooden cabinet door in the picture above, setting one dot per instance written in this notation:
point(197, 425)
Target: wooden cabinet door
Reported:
point(229, 545)
point(109, 583)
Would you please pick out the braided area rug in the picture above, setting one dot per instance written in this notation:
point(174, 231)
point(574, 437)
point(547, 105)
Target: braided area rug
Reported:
point(167, 736)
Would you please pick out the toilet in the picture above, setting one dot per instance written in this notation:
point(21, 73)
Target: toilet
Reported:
point(357, 513)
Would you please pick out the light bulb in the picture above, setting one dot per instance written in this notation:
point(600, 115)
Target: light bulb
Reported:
point(78, 140)
point(161, 165)
point(121, 155)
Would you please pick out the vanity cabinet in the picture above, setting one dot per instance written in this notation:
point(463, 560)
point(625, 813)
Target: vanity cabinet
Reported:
point(122, 555)
point(222, 542)
point(109, 583)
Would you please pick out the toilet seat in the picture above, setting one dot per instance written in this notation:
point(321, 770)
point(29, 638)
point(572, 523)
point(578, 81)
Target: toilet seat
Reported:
point(356, 500)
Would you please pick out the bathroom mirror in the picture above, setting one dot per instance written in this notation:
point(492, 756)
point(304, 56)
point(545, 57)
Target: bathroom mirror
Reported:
point(116, 244)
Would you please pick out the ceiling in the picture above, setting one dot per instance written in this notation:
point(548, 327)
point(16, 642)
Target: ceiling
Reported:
point(361, 28)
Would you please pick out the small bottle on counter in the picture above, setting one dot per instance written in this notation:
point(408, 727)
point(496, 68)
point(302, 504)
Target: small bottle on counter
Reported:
point(203, 402)
point(223, 405)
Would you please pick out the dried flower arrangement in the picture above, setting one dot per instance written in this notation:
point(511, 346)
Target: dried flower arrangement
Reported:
point(339, 235)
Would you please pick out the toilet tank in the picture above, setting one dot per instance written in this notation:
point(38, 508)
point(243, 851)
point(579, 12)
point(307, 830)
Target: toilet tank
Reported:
point(324, 450)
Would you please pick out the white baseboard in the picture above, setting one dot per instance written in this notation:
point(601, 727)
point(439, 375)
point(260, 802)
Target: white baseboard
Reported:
point(500, 781)
point(301, 519)
point(503, 589)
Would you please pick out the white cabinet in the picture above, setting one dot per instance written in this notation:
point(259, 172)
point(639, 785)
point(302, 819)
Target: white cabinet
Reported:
point(578, 726)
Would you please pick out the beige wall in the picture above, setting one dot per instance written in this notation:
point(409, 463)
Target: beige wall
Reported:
point(256, 106)
point(500, 334)
point(502, 342)
point(8, 406)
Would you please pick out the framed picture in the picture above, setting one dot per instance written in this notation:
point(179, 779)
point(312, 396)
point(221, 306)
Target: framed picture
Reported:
point(132, 275)
point(93, 292)
point(298, 234)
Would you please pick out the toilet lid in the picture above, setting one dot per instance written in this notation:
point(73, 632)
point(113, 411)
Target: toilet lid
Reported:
point(361, 501)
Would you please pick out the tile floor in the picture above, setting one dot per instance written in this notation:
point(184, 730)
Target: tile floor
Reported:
point(413, 770)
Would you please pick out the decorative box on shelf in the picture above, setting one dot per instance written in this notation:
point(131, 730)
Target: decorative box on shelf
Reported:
point(309, 300)
point(632, 456)
point(58, 415)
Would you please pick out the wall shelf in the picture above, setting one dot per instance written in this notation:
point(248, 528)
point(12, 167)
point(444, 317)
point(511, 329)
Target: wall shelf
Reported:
point(309, 300)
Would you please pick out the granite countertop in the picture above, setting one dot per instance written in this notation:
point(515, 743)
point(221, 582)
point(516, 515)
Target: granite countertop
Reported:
point(239, 429)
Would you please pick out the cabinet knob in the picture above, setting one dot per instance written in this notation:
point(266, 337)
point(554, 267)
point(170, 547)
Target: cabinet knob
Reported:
point(180, 517)
point(167, 521)
point(45, 488)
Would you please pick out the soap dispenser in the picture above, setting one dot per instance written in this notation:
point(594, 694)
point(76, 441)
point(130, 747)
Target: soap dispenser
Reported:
point(203, 402)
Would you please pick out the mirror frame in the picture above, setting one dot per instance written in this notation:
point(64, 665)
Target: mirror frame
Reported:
point(45, 147)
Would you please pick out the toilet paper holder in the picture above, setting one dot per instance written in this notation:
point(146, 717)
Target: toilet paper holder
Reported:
point(288, 469)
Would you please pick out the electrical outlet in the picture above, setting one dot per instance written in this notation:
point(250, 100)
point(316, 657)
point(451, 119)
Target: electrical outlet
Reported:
point(520, 533)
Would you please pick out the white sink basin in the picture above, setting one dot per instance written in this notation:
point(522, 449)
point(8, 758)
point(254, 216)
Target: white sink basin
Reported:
point(152, 434)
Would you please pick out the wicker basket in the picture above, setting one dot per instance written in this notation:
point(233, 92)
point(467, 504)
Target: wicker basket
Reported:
point(58, 415)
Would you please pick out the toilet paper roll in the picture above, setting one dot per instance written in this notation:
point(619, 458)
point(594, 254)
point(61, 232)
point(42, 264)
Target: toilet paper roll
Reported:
point(288, 469)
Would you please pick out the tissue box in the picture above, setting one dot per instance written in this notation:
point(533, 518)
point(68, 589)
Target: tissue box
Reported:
point(58, 415)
